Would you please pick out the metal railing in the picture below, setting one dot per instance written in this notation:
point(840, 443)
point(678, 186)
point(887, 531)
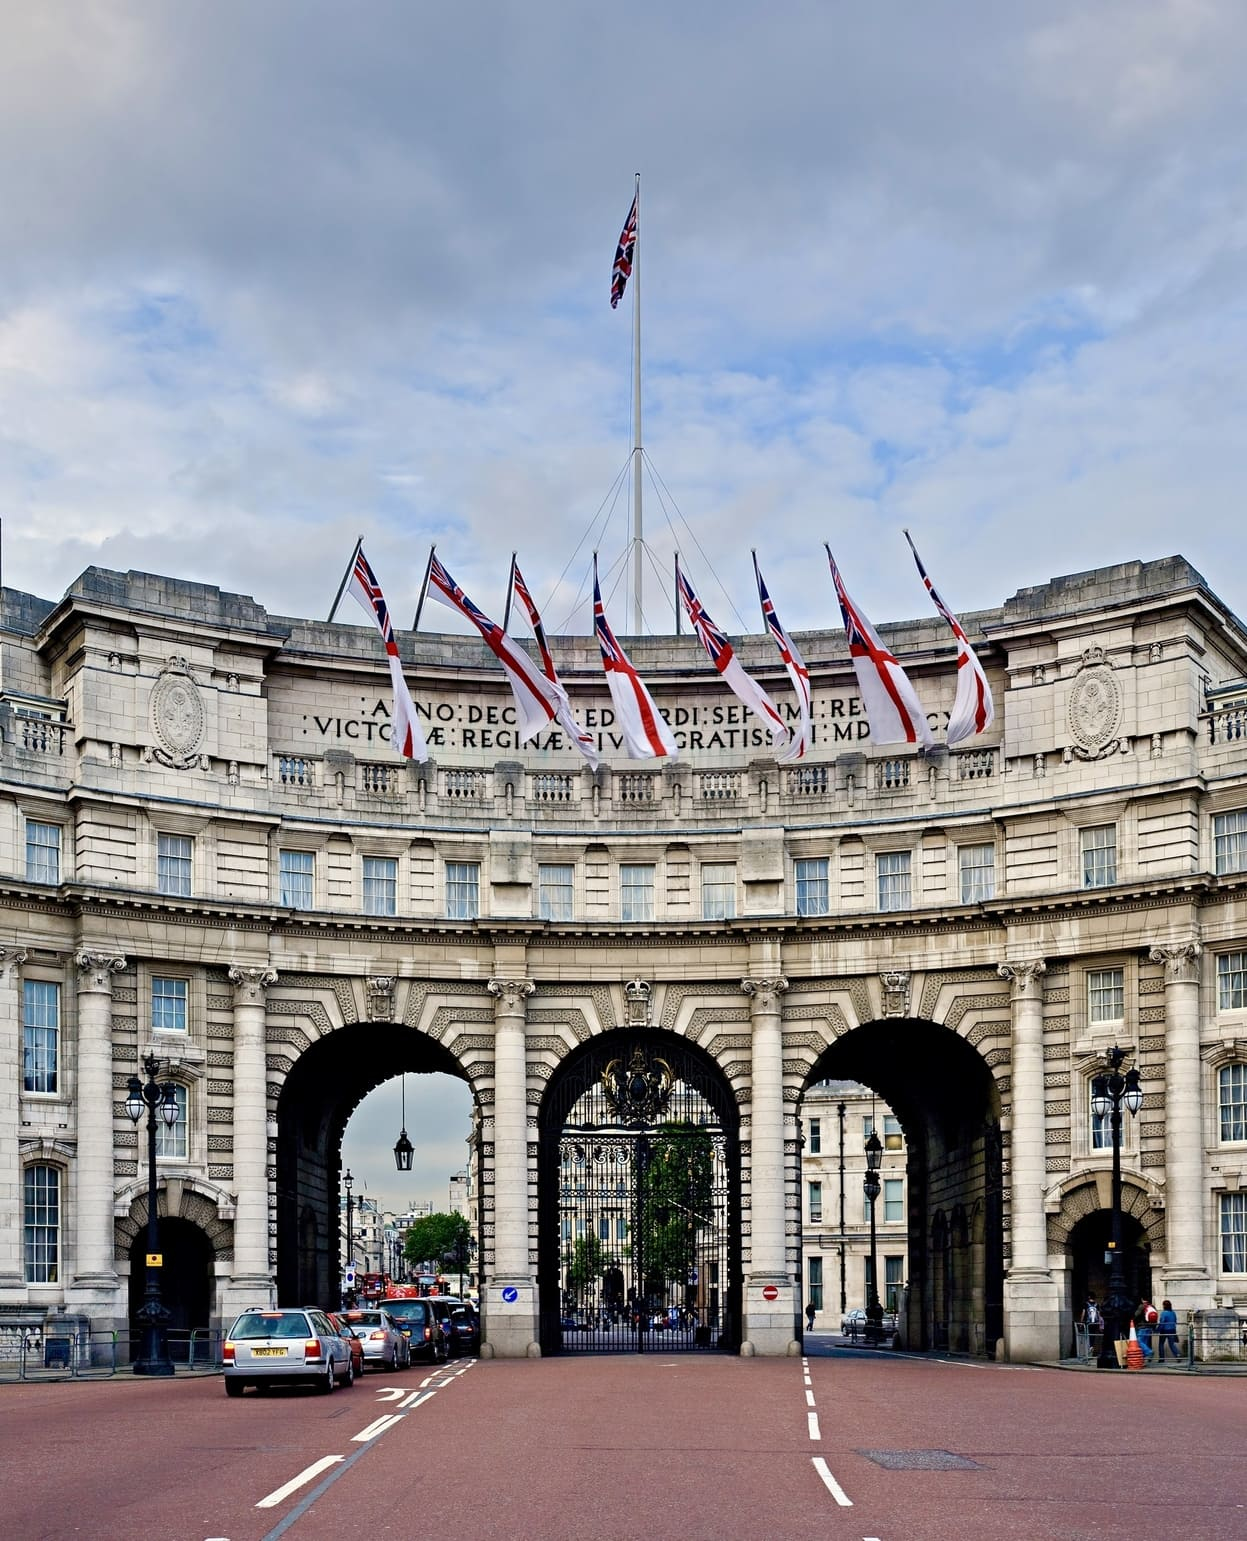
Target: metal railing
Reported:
point(82, 1354)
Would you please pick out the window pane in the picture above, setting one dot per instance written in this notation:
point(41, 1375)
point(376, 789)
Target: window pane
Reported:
point(892, 870)
point(636, 893)
point(1232, 1086)
point(816, 1203)
point(815, 1291)
point(380, 885)
point(1101, 1127)
point(893, 1198)
point(893, 1139)
point(893, 1278)
point(1231, 981)
point(816, 1137)
point(298, 878)
point(812, 890)
point(169, 1005)
point(554, 892)
point(41, 1021)
point(718, 891)
point(41, 1220)
point(1234, 1233)
point(1229, 841)
point(1099, 856)
point(463, 886)
point(173, 865)
point(978, 873)
point(43, 852)
point(171, 1142)
point(1106, 994)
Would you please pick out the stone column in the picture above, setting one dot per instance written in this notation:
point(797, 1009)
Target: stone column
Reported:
point(769, 1295)
point(252, 1275)
point(509, 1302)
point(12, 1264)
point(1186, 1276)
point(1032, 1309)
point(94, 1277)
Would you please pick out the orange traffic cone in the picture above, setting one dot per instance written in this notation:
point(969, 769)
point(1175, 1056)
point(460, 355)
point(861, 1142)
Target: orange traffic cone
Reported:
point(1134, 1351)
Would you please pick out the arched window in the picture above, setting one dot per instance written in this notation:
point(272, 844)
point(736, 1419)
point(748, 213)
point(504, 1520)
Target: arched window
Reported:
point(41, 1220)
point(1232, 1097)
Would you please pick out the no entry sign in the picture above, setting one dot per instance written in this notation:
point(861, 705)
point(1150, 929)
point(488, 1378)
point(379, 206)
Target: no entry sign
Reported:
point(770, 1292)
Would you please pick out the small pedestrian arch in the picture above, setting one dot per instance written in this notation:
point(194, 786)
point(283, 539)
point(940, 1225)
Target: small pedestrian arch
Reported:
point(1080, 1231)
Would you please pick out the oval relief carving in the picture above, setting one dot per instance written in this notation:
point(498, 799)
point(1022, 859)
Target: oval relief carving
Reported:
point(177, 715)
point(1095, 709)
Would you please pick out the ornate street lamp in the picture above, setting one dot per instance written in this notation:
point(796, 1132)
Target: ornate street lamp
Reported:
point(156, 1097)
point(1109, 1094)
point(403, 1149)
point(874, 1311)
point(348, 1182)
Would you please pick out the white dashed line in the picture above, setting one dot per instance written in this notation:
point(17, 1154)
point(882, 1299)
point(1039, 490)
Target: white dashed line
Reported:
point(813, 1419)
point(832, 1486)
point(809, 1399)
point(279, 1495)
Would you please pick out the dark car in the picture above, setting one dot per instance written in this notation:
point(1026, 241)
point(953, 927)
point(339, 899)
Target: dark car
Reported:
point(465, 1328)
point(418, 1324)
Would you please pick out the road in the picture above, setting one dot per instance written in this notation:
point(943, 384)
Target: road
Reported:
point(853, 1446)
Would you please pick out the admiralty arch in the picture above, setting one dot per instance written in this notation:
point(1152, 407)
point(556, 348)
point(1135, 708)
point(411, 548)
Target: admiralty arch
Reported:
point(209, 853)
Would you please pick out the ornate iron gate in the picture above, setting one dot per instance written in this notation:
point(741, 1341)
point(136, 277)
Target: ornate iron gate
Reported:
point(640, 1244)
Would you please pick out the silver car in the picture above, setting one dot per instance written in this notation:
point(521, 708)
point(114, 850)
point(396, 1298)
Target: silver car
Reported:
point(384, 1344)
point(285, 1346)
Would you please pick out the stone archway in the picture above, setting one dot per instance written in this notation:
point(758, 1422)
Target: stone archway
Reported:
point(193, 1238)
point(1080, 1231)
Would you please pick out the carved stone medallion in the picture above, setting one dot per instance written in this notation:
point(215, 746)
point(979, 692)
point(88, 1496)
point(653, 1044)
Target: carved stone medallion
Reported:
point(177, 716)
point(1095, 707)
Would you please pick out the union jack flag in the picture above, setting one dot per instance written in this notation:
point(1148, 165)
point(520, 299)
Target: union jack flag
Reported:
point(622, 271)
point(406, 734)
point(973, 708)
point(645, 732)
point(364, 587)
point(565, 716)
point(892, 706)
point(534, 620)
point(795, 665)
point(723, 656)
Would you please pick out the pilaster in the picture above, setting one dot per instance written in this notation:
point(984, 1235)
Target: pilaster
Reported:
point(770, 1299)
point(509, 1299)
point(252, 1282)
point(12, 1264)
point(94, 1278)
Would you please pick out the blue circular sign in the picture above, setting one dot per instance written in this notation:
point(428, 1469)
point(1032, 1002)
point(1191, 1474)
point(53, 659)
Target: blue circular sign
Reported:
point(510, 1294)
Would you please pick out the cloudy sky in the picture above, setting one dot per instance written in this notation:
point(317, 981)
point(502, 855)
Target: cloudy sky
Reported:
point(274, 275)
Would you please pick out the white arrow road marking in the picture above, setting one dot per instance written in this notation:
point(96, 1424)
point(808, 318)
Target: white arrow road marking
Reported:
point(378, 1426)
point(415, 1398)
point(278, 1495)
point(833, 1487)
point(389, 1394)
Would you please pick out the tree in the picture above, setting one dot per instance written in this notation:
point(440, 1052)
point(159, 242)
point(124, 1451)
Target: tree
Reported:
point(587, 1261)
point(438, 1239)
point(676, 1187)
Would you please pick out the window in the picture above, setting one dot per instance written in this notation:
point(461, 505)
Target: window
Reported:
point(893, 1136)
point(816, 1203)
point(977, 864)
point(1234, 1233)
point(380, 885)
point(812, 889)
point(171, 1139)
point(1099, 856)
point(816, 1137)
point(1101, 1126)
point(893, 1198)
point(1232, 1095)
point(43, 852)
point(604, 1227)
point(636, 893)
point(463, 890)
point(173, 865)
point(1231, 980)
point(298, 879)
point(41, 1026)
point(169, 1005)
point(892, 872)
point(554, 892)
point(1106, 994)
point(893, 1278)
point(621, 1228)
point(1229, 841)
point(718, 891)
point(814, 1293)
point(41, 1222)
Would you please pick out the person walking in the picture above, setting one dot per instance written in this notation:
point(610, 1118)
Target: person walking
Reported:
point(1145, 1320)
point(1167, 1332)
point(1093, 1323)
point(809, 1317)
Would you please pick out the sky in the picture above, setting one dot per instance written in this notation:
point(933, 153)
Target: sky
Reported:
point(274, 276)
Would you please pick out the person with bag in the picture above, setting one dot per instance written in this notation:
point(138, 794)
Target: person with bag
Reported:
point(1145, 1321)
point(1167, 1331)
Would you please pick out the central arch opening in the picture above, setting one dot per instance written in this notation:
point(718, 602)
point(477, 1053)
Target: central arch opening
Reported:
point(638, 1200)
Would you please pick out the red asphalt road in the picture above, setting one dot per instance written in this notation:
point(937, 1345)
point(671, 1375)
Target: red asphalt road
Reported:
point(655, 1447)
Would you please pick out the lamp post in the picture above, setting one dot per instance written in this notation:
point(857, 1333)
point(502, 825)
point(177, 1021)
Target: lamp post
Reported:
point(1109, 1094)
point(874, 1311)
point(154, 1096)
point(348, 1182)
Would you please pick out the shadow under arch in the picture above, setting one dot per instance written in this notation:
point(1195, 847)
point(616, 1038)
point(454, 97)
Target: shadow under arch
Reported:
point(323, 1088)
point(945, 1096)
point(702, 1093)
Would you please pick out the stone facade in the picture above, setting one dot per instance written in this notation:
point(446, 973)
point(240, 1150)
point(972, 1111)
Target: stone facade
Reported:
point(209, 852)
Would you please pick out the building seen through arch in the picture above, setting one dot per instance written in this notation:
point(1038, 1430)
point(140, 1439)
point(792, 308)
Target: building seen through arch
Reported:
point(650, 977)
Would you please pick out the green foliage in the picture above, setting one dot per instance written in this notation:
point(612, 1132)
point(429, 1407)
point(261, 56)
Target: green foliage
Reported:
point(438, 1239)
point(676, 1189)
point(588, 1259)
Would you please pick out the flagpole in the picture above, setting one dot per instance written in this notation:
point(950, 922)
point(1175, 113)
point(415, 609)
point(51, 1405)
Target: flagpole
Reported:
point(677, 594)
point(753, 552)
point(506, 610)
point(424, 589)
point(637, 528)
point(346, 578)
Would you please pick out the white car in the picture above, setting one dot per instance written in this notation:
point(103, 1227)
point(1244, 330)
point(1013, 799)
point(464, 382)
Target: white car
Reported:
point(385, 1346)
point(267, 1348)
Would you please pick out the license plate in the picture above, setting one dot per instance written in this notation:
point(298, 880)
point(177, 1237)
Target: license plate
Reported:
point(268, 1353)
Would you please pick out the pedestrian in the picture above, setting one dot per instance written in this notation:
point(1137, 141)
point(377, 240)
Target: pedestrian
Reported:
point(1092, 1321)
point(1145, 1318)
point(1167, 1331)
point(809, 1316)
